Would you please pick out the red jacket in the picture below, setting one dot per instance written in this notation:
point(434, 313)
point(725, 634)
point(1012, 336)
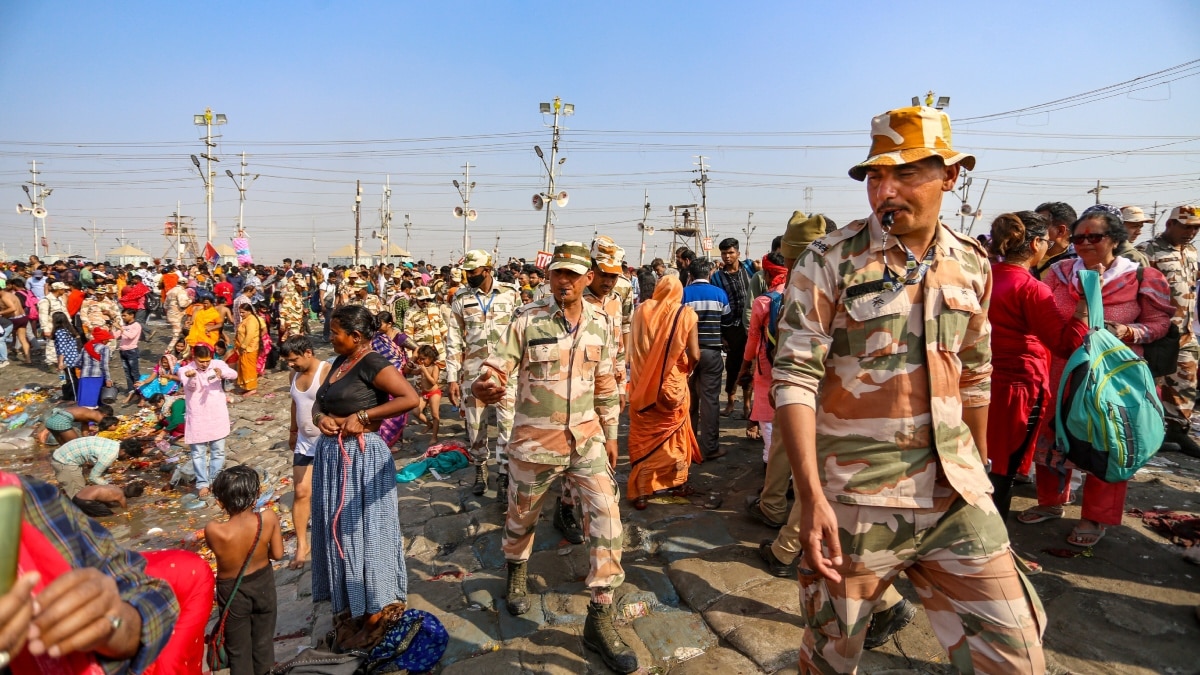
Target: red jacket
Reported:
point(133, 296)
point(1026, 327)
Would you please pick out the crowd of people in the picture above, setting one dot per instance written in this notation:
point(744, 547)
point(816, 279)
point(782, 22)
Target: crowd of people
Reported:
point(901, 377)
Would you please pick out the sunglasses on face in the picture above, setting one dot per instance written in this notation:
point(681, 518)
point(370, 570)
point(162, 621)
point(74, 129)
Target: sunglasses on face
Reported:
point(1078, 239)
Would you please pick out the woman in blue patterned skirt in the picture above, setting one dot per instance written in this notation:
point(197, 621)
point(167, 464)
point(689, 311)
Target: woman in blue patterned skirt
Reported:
point(354, 486)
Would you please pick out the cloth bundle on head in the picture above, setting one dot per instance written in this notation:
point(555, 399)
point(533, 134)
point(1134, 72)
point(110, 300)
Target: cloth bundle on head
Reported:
point(775, 274)
point(801, 231)
point(1103, 208)
point(99, 336)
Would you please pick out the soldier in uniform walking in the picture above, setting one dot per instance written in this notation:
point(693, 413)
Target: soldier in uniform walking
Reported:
point(1173, 254)
point(481, 312)
point(565, 425)
point(426, 325)
point(881, 382)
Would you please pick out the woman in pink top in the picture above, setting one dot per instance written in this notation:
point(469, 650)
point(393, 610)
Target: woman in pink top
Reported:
point(1136, 312)
point(206, 419)
point(755, 359)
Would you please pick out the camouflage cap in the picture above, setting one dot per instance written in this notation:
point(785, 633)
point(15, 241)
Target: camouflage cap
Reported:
point(1187, 214)
point(423, 293)
point(607, 256)
point(801, 231)
point(573, 256)
point(1132, 214)
point(360, 285)
point(908, 135)
point(475, 259)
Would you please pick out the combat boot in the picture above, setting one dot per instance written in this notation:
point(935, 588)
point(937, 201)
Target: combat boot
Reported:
point(517, 597)
point(565, 522)
point(502, 488)
point(481, 476)
point(600, 636)
point(1180, 436)
point(887, 623)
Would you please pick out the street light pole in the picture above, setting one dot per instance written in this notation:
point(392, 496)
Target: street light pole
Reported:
point(407, 234)
point(749, 231)
point(566, 110)
point(207, 120)
point(464, 191)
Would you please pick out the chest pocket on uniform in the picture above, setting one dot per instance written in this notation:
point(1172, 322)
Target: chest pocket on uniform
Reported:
point(959, 306)
point(878, 324)
point(544, 362)
point(472, 316)
point(591, 359)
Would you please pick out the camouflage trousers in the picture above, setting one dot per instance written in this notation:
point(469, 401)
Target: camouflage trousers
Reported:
point(982, 609)
point(1179, 388)
point(589, 475)
point(477, 416)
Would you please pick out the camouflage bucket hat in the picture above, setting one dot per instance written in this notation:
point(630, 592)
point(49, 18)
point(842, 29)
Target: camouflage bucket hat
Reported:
point(572, 256)
point(1187, 214)
point(607, 255)
point(423, 293)
point(475, 259)
point(908, 135)
point(1133, 214)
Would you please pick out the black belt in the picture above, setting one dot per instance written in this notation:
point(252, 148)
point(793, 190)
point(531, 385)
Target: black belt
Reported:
point(718, 347)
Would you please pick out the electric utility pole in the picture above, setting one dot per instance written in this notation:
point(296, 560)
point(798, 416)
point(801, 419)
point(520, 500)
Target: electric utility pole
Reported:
point(702, 181)
point(1097, 190)
point(207, 120)
point(385, 218)
point(408, 234)
point(241, 186)
point(643, 227)
point(749, 230)
point(357, 220)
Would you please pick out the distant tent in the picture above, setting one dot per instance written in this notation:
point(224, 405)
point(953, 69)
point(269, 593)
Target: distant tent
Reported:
point(127, 255)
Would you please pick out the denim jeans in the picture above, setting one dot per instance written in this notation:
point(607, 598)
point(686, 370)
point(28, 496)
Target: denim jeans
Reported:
point(5, 333)
point(129, 361)
point(207, 460)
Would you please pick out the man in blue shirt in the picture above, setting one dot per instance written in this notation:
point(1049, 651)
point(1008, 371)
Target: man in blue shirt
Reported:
point(733, 277)
point(712, 307)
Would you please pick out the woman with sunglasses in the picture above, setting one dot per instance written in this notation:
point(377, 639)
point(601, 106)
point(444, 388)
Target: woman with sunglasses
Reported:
point(1137, 312)
point(1026, 328)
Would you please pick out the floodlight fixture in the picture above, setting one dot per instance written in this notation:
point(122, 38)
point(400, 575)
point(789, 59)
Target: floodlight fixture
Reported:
point(544, 108)
point(943, 102)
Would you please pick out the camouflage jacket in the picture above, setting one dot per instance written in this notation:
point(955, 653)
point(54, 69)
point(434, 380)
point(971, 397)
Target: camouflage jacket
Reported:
point(427, 327)
point(566, 393)
point(1178, 264)
point(371, 301)
point(479, 323)
point(611, 308)
point(889, 372)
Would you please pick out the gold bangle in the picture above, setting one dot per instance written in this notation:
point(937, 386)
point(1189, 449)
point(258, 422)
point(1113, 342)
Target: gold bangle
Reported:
point(364, 418)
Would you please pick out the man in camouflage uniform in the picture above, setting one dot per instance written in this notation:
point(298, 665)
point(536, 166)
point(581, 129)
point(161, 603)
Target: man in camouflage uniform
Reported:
point(601, 292)
point(1133, 218)
point(1172, 254)
point(426, 325)
point(559, 349)
point(363, 296)
point(481, 312)
point(881, 382)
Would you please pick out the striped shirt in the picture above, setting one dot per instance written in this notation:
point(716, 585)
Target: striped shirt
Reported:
point(710, 304)
point(95, 368)
point(84, 542)
point(98, 451)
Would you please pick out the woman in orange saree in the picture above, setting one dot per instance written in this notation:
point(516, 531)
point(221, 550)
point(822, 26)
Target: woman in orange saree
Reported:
point(663, 349)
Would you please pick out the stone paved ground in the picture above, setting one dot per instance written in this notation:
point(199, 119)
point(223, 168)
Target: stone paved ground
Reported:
point(696, 599)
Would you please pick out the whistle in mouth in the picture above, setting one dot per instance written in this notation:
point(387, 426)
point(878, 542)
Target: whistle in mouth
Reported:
point(888, 218)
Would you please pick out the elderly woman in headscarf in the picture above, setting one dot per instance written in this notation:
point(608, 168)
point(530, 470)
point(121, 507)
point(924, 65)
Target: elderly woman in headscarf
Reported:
point(760, 344)
point(663, 348)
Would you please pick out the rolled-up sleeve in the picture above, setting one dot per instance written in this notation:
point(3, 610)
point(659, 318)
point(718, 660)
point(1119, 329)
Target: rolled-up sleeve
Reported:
point(975, 383)
point(805, 331)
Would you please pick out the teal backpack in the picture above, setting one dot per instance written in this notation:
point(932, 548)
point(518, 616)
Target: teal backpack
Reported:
point(1109, 421)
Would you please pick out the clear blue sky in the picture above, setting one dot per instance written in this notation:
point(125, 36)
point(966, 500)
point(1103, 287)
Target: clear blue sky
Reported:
point(319, 94)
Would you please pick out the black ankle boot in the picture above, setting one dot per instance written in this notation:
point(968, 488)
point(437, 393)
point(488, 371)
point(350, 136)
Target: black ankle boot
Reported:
point(481, 476)
point(565, 522)
point(502, 488)
point(517, 597)
point(600, 636)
